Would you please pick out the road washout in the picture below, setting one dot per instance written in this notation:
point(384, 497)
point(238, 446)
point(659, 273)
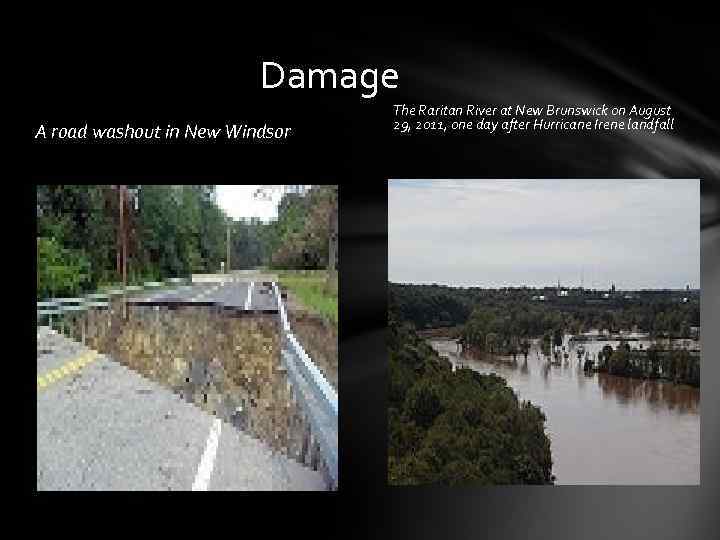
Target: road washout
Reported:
point(225, 362)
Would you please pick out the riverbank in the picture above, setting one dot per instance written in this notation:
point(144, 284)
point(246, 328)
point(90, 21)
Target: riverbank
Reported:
point(604, 429)
point(450, 332)
point(458, 427)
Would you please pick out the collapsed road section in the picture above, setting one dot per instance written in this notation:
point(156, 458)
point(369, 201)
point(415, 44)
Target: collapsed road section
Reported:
point(229, 349)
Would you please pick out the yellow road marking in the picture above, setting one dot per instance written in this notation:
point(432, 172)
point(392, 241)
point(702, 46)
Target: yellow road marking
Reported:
point(66, 369)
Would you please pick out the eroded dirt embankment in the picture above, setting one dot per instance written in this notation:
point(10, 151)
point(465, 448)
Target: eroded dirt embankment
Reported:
point(319, 339)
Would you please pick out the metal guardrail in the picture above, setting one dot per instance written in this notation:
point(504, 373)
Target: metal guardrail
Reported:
point(315, 394)
point(57, 307)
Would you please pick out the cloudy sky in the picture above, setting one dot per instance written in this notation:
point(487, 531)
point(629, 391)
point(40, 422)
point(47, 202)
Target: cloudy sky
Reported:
point(238, 201)
point(493, 233)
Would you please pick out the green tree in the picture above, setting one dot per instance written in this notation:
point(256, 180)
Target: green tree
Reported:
point(174, 231)
point(61, 272)
point(423, 404)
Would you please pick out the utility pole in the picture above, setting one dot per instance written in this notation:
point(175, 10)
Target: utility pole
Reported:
point(227, 263)
point(121, 246)
point(118, 237)
point(124, 235)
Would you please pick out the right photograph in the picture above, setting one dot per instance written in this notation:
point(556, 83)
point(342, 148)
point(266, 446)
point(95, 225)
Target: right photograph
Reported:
point(544, 332)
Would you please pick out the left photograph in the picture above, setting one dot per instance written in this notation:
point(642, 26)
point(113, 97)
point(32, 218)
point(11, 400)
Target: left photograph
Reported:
point(187, 337)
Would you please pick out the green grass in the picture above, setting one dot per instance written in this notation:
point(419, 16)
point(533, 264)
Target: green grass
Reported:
point(310, 290)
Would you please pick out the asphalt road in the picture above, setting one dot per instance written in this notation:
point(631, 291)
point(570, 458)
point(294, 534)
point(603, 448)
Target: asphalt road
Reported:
point(102, 426)
point(243, 295)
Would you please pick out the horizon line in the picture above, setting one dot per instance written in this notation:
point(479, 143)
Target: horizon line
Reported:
point(552, 286)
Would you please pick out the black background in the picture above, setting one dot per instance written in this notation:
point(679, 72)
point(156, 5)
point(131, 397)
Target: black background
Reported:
point(210, 74)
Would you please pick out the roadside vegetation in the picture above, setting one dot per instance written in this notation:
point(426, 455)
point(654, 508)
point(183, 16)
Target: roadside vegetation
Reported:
point(297, 240)
point(175, 231)
point(312, 291)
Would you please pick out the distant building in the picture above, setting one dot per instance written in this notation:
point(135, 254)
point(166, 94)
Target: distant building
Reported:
point(559, 291)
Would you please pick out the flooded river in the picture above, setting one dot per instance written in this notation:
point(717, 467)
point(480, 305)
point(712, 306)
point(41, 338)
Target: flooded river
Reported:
point(603, 429)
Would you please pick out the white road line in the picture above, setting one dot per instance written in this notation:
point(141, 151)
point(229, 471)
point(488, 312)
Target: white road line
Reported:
point(207, 462)
point(248, 302)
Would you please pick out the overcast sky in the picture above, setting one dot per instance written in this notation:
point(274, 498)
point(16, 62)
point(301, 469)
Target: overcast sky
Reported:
point(238, 201)
point(494, 233)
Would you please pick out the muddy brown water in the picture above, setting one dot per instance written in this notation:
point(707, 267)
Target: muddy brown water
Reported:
point(603, 429)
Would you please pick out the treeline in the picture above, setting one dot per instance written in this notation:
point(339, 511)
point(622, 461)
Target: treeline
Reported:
point(512, 314)
point(298, 239)
point(175, 230)
point(457, 427)
point(677, 365)
point(171, 231)
point(248, 244)
point(431, 306)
